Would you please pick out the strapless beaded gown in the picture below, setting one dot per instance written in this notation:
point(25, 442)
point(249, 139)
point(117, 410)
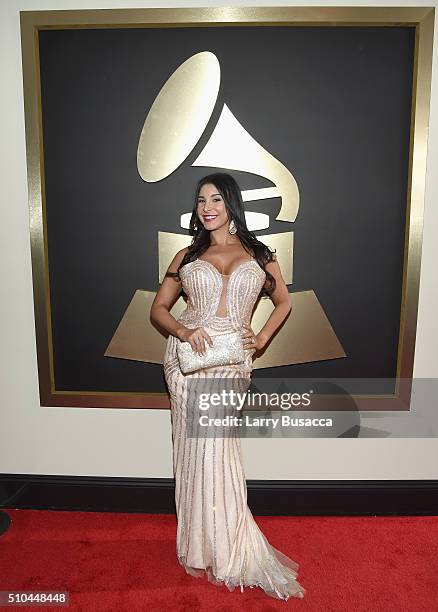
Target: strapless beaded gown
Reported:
point(217, 536)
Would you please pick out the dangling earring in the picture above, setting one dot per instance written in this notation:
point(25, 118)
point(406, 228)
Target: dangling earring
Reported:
point(232, 227)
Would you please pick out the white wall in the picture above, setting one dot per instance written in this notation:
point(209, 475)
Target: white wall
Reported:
point(101, 442)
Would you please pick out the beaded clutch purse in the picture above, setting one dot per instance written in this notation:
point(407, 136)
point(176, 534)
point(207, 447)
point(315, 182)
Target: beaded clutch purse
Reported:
point(227, 349)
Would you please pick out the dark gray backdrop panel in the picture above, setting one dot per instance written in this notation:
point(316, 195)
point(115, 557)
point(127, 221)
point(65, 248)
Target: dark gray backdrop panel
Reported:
point(332, 103)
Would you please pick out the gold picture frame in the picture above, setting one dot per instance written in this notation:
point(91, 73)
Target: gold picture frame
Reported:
point(33, 22)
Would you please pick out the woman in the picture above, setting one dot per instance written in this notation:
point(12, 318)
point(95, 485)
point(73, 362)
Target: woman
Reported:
point(223, 273)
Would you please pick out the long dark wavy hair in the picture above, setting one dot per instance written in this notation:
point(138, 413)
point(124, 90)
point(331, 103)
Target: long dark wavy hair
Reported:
point(231, 194)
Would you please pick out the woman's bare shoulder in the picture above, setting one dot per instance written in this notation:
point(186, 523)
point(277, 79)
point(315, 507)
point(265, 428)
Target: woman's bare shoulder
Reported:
point(180, 254)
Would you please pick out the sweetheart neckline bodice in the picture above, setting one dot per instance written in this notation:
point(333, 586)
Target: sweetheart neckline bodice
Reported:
point(210, 293)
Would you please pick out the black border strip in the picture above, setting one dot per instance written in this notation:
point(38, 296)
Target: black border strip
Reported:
point(265, 497)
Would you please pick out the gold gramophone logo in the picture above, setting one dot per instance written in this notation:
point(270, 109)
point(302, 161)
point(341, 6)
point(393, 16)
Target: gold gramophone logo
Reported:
point(175, 123)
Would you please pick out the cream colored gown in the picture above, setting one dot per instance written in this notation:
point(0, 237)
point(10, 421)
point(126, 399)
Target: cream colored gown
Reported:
point(217, 535)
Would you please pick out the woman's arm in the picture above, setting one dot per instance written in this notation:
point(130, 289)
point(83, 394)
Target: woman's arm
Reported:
point(283, 305)
point(166, 297)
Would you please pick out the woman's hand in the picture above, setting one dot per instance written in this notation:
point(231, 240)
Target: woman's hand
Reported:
point(251, 340)
point(197, 338)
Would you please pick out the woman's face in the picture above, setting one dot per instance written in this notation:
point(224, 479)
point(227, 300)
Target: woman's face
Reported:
point(211, 208)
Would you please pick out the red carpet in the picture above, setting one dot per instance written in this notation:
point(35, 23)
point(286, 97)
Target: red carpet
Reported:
point(127, 562)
